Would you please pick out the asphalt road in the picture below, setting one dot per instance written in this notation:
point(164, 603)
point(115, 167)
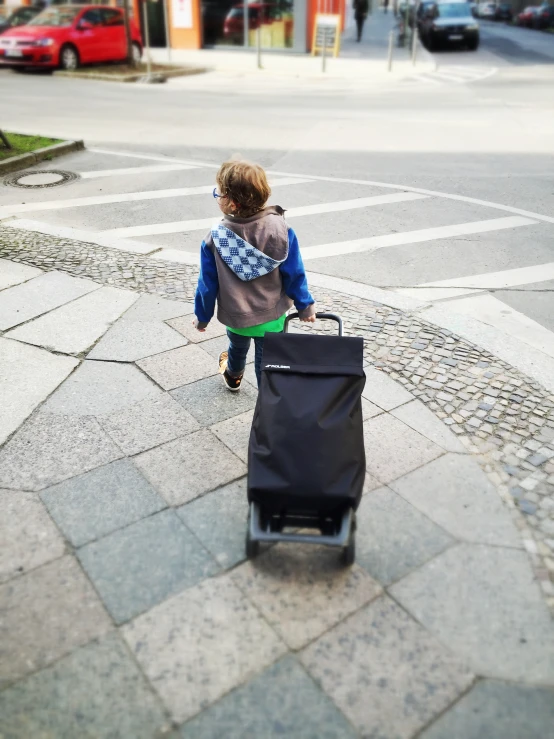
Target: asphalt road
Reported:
point(479, 129)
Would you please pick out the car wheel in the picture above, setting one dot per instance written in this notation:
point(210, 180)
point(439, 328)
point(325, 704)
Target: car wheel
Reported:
point(69, 58)
point(136, 53)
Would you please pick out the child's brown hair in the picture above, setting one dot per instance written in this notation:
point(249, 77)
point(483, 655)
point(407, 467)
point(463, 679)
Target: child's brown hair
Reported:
point(244, 184)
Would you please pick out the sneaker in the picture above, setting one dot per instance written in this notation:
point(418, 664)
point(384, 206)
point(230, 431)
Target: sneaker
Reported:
point(231, 383)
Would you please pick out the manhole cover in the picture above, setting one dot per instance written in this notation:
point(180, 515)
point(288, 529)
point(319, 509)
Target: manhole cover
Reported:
point(43, 178)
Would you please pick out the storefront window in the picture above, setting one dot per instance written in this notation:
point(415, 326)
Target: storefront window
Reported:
point(224, 23)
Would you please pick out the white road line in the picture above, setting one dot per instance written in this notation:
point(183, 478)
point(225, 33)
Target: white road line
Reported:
point(153, 158)
point(425, 78)
point(448, 77)
point(136, 170)
point(8, 210)
point(459, 286)
point(387, 185)
point(200, 223)
point(412, 237)
point(493, 312)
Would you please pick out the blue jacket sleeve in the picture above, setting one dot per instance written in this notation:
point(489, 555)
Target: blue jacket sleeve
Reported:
point(294, 278)
point(208, 286)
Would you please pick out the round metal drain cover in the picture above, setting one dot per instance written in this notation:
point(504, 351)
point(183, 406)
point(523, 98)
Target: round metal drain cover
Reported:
point(40, 178)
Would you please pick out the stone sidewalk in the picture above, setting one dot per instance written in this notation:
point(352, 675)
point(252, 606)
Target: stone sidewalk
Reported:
point(127, 606)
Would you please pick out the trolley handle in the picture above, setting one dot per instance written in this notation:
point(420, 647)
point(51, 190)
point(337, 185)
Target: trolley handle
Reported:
point(324, 316)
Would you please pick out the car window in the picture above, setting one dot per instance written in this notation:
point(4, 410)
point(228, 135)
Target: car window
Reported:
point(112, 17)
point(93, 17)
point(452, 10)
point(59, 17)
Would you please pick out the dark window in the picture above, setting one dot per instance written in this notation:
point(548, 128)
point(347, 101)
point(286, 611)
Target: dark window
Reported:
point(112, 17)
point(93, 17)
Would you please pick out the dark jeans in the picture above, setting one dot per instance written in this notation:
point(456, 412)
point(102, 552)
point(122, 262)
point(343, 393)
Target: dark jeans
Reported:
point(360, 20)
point(238, 349)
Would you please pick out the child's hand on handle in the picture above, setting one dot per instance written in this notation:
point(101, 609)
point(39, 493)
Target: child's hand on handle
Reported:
point(195, 324)
point(308, 319)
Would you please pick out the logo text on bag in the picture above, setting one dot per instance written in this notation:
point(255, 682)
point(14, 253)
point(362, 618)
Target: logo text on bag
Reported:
point(277, 366)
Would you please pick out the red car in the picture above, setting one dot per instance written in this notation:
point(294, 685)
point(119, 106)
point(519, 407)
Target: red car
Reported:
point(68, 35)
point(527, 16)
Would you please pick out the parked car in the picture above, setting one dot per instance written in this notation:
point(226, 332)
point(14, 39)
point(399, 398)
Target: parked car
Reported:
point(68, 35)
point(527, 16)
point(544, 17)
point(486, 11)
point(449, 23)
point(503, 12)
point(19, 17)
point(258, 13)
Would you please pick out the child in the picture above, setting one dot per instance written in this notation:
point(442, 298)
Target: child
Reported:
point(250, 262)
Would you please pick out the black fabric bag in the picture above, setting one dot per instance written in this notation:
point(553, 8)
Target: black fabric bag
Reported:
point(306, 448)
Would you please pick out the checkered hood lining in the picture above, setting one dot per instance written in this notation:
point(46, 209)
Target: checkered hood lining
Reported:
point(245, 260)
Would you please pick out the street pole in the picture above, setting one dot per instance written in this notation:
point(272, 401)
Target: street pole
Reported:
point(167, 36)
point(324, 50)
point(259, 45)
point(414, 45)
point(126, 16)
point(391, 44)
point(146, 39)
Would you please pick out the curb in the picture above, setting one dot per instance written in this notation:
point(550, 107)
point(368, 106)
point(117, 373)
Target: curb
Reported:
point(160, 76)
point(23, 161)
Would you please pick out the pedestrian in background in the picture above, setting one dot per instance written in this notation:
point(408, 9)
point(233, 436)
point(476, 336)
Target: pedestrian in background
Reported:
point(361, 8)
point(386, 4)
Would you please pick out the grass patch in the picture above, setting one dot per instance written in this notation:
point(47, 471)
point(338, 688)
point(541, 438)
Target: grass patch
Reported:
point(22, 144)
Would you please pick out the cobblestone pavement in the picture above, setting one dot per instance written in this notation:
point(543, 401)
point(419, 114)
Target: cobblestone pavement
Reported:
point(500, 416)
point(127, 605)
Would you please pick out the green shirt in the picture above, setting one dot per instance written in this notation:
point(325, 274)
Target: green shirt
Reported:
point(262, 329)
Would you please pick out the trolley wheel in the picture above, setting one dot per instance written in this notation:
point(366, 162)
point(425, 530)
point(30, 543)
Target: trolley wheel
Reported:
point(252, 547)
point(349, 552)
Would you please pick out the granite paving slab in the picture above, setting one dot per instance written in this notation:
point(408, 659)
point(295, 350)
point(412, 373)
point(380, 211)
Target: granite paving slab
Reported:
point(218, 519)
point(92, 505)
point(370, 483)
point(179, 366)
point(50, 448)
point(155, 308)
point(498, 710)
point(385, 672)
point(14, 273)
point(29, 538)
point(393, 537)
point(97, 691)
point(150, 422)
point(44, 615)
point(46, 292)
point(210, 402)
point(75, 327)
point(393, 449)
point(370, 410)
point(200, 644)
point(456, 494)
point(235, 433)
point(250, 375)
point(27, 377)
point(281, 702)
point(98, 388)
point(484, 604)
point(214, 347)
point(384, 391)
point(320, 590)
point(183, 469)
point(421, 419)
point(141, 565)
point(127, 341)
point(184, 326)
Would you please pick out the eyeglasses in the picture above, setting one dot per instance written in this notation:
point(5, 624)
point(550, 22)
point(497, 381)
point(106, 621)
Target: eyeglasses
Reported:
point(215, 194)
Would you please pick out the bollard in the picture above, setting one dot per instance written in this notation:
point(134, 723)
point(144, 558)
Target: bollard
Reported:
point(259, 46)
point(167, 36)
point(391, 44)
point(324, 51)
point(414, 46)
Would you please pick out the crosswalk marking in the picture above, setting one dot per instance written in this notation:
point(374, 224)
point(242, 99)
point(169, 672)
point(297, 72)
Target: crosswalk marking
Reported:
point(147, 169)
point(200, 223)
point(413, 237)
point(488, 309)
point(454, 74)
point(129, 197)
point(458, 286)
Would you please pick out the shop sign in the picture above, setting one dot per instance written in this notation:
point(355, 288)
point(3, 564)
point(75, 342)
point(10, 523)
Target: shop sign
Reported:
point(181, 13)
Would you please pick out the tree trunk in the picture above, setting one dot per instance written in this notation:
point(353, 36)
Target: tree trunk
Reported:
point(127, 16)
point(4, 140)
